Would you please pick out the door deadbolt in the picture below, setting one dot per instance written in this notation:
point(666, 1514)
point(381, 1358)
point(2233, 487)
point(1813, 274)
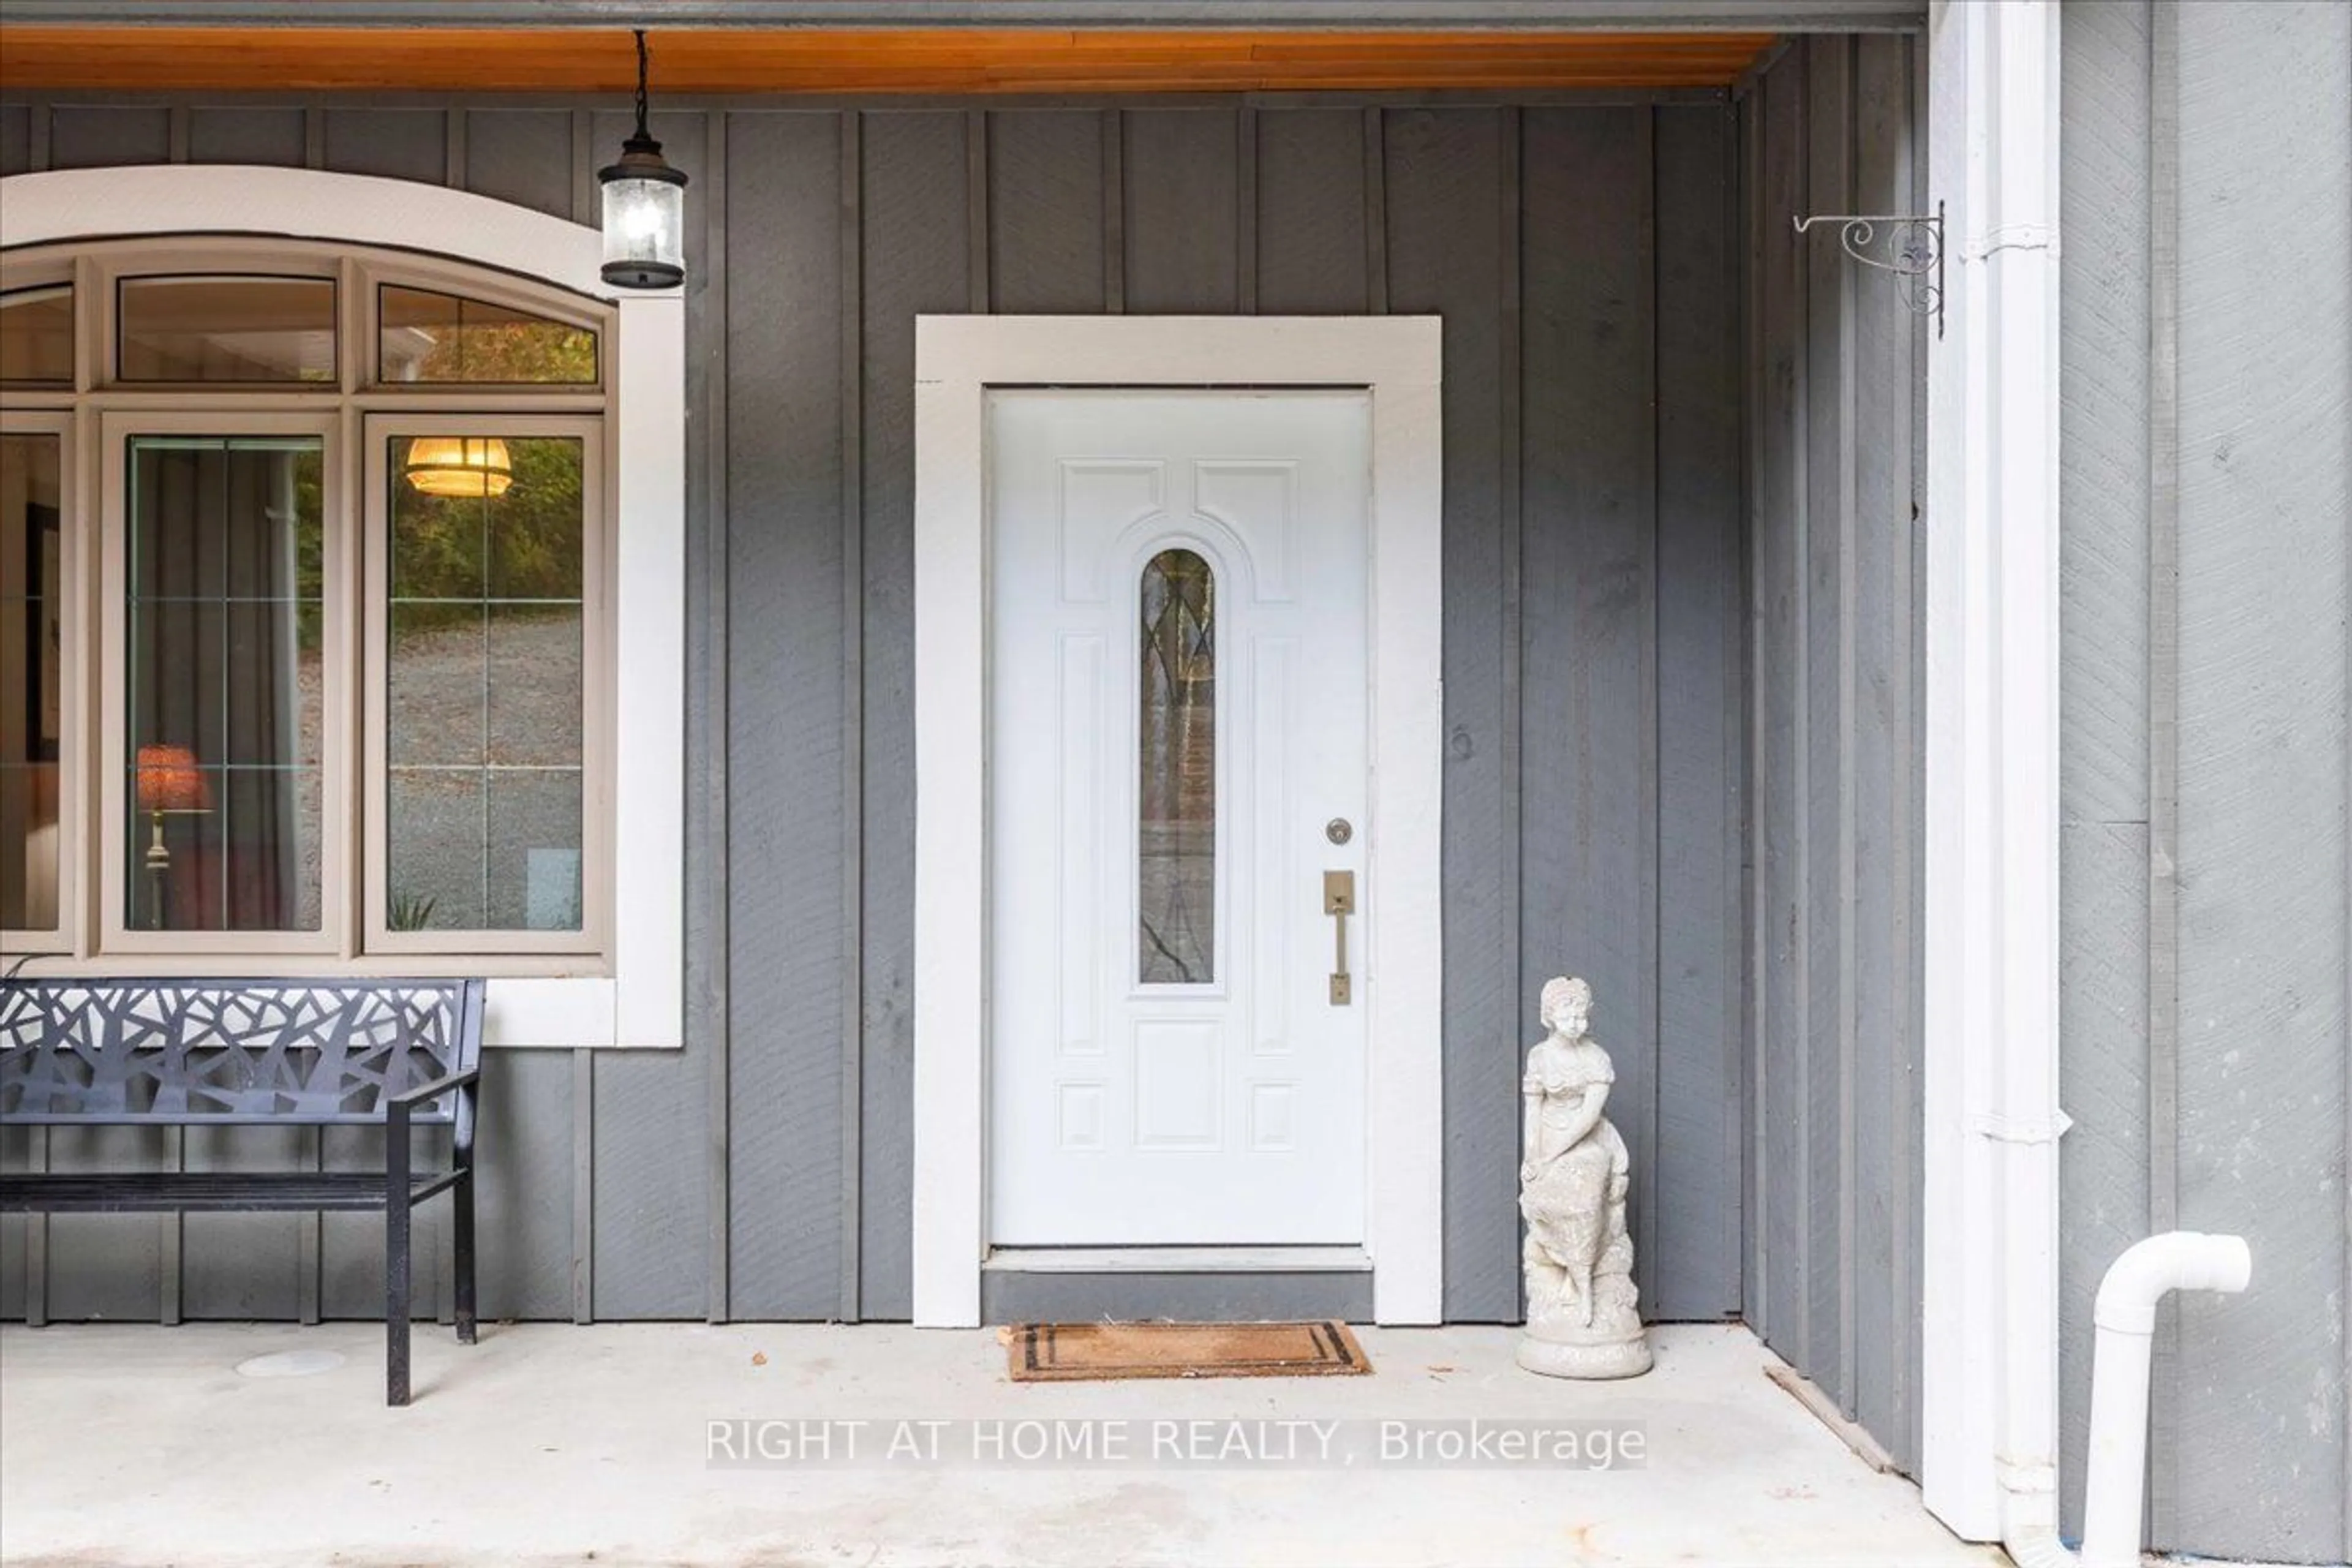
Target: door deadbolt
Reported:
point(1338, 830)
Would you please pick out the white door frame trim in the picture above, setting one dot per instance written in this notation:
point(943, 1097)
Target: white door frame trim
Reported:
point(1989, 1340)
point(957, 359)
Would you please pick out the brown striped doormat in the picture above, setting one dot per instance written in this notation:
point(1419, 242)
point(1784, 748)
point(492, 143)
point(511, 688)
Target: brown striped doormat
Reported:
point(1074, 1352)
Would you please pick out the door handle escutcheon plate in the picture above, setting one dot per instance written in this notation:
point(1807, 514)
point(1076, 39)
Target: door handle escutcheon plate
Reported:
point(1338, 892)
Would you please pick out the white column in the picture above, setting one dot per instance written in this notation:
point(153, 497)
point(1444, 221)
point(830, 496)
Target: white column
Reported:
point(1989, 1338)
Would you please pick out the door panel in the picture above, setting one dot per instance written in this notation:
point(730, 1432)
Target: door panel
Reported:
point(1178, 708)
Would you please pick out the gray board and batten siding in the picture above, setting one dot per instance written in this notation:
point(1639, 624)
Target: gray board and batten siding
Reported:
point(1584, 253)
point(2206, 751)
point(1835, 473)
point(1740, 602)
point(2206, 761)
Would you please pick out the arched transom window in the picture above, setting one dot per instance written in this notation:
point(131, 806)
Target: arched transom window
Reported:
point(305, 607)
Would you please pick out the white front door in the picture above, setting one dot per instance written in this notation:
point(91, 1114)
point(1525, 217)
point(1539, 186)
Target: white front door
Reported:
point(1177, 755)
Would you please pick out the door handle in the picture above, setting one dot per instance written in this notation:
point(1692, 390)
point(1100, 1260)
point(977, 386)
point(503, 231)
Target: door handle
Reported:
point(1339, 902)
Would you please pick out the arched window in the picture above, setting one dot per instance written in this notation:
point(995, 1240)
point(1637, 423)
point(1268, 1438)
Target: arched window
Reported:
point(306, 606)
point(1176, 794)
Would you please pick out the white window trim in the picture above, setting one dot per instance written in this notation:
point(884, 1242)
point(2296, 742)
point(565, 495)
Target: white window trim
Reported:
point(957, 359)
point(640, 1003)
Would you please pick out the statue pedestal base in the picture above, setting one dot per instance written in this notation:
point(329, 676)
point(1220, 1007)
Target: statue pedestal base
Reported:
point(1586, 1356)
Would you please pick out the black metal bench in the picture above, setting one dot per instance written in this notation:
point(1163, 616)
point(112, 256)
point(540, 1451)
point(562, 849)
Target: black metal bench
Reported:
point(217, 1053)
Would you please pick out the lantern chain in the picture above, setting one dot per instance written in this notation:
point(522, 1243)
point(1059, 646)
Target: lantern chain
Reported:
point(641, 81)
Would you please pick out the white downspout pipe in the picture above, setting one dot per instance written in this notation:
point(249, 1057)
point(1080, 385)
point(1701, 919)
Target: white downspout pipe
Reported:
point(2115, 1468)
point(1990, 1320)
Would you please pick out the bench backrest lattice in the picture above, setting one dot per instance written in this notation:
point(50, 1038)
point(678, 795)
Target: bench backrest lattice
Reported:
point(227, 1051)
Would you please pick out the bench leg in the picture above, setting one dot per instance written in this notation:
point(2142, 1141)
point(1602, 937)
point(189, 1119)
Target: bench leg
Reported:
point(396, 1216)
point(462, 1202)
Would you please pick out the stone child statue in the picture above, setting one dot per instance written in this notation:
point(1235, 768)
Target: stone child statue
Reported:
point(1581, 1316)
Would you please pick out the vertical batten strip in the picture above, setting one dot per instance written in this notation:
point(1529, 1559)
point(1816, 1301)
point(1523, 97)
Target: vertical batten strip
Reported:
point(1113, 207)
point(1652, 904)
point(453, 150)
point(1739, 820)
point(583, 1185)
point(1801, 677)
point(853, 712)
point(171, 1253)
point(37, 1238)
point(1756, 1171)
point(1903, 1111)
point(708, 1025)
point(979, 244)
point(2164, 726)
point(176, 132)
point(1376, 207)
point(1849, 796)
point(310, 1249)
point(1245, 210)
point(1511, 442)
point(584, 167)
point(1826, 800)
point(1739, 802)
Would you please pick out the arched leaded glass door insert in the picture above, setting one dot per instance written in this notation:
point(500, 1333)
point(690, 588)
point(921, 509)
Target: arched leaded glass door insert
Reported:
point(1176, 793)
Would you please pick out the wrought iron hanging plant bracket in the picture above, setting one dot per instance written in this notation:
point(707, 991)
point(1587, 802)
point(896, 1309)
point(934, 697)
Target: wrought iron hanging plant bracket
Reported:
point(1908, 245)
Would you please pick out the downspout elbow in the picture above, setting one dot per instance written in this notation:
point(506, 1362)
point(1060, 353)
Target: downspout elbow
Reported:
point(2177, 1261)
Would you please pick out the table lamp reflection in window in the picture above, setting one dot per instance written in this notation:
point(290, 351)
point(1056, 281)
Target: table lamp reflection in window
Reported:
point(170, 783)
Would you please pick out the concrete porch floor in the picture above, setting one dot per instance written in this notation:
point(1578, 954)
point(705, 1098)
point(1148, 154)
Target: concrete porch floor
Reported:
point(553, 1444)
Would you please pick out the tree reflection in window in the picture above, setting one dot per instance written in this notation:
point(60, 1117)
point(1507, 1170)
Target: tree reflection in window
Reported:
point(426, 336)
point(1177, 833)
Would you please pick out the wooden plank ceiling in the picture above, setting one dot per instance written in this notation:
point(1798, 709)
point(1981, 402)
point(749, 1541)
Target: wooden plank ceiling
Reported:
point(896, 60)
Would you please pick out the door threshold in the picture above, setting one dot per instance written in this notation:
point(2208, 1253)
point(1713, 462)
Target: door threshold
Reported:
point(1178, 1259)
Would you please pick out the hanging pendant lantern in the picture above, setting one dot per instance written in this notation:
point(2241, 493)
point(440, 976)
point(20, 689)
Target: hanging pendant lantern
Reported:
point(644, 208)
point(465, 467)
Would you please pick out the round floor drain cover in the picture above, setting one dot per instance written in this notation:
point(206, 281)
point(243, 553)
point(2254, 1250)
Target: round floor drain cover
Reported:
point(291, 1363)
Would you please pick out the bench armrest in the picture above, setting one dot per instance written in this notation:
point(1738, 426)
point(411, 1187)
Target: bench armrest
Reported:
point(395, 1125)
point(409, 1098)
